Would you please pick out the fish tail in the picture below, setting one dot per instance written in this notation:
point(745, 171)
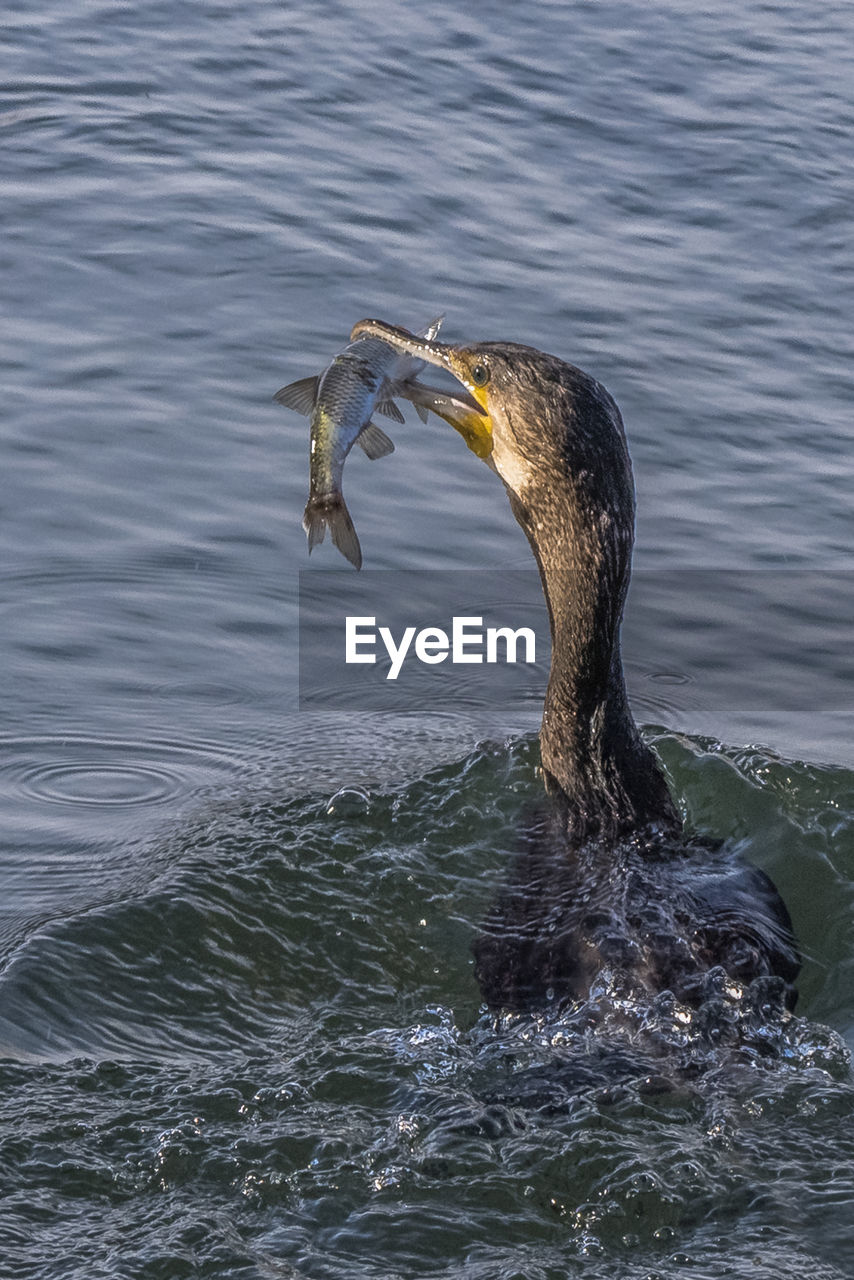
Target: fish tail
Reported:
point(331, 513)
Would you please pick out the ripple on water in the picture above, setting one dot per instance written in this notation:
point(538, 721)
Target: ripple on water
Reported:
point(108, 773)
point(82, 813)
point(91, 782)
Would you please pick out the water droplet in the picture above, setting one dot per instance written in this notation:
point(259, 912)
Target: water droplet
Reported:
point(349, 802)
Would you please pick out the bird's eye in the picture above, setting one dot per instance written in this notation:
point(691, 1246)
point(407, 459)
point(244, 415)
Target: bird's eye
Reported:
point(479, 375)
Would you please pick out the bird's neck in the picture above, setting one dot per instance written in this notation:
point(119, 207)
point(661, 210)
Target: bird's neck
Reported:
point(592, 750)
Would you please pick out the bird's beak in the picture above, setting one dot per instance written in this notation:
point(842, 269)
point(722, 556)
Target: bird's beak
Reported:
point(467, 411)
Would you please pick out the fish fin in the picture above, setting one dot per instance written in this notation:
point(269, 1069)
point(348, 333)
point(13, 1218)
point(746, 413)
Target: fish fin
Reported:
point(416, 393)
point(375, 442)
point(429, 331)
point(419, 394)
point(390, 410)
point(331, 513)
point(426, 397)
point(299, 396)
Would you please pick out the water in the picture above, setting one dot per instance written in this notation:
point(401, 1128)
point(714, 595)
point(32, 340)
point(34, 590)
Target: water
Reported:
point(240, 1032)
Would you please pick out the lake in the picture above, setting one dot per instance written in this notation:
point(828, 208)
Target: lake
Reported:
point(240, 1034)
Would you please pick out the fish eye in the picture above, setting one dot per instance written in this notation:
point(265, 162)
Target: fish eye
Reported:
point(479, 375)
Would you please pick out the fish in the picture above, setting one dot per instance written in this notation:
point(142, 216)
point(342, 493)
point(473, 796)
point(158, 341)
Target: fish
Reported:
point(466, 410)
point(363, 378)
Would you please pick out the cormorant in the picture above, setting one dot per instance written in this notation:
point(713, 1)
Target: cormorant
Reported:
point(606, 881)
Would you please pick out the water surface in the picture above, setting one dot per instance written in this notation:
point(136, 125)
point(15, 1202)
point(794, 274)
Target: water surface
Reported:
point(240, 1034)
